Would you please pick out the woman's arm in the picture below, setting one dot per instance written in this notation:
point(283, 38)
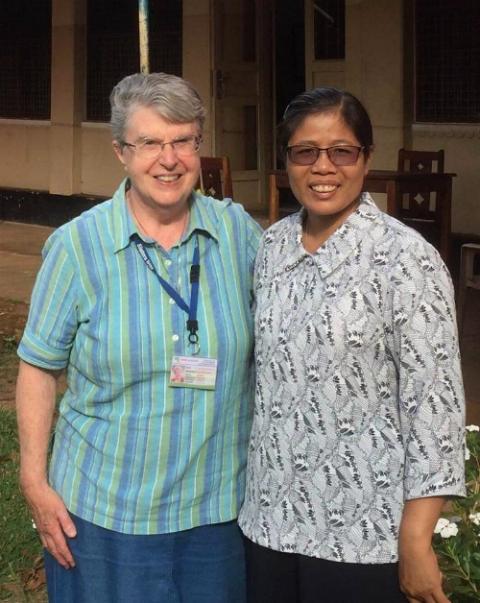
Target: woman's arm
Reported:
point(431, 403)
point(36, 391)
point(420, 577)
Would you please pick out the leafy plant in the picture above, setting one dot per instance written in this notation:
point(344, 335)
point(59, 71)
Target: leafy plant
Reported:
point(457, 535)
point(21, 573)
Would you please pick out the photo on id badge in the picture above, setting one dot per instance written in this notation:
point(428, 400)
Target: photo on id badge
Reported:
point(193, 371)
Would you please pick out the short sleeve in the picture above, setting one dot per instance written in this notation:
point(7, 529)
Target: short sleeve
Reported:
point(254, 234)
point(52, 320)
point(431, 395)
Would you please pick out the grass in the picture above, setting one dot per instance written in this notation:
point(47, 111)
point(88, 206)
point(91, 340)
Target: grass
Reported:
point(21, 577)
point(8, 362)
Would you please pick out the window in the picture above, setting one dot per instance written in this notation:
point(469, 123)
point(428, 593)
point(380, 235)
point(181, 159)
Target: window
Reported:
point(447, 61)
point(329, 27)
point(25, 56)
point(113, 47)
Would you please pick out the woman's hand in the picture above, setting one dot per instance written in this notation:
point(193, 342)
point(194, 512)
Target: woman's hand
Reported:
point(52, 521)
point(36, 389)
point(419, 574)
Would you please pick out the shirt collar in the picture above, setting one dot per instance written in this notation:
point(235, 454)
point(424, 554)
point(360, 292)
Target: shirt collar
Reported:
point(202, 219)
point(124, 226)
point(342, 243)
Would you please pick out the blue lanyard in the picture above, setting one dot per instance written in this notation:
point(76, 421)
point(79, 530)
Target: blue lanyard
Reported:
point(191, 308)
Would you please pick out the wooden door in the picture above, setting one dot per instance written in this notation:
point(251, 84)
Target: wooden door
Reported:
point(242, 92)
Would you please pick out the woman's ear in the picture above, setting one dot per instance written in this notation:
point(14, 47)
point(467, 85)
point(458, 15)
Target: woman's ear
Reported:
point(368, 159)
point(118, 150)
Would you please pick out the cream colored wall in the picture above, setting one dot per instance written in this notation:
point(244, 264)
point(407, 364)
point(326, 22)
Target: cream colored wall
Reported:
point(462, 156)
point(101, 171)
point(374, 71)
point(197, 58)
point(68, 94)
point(24, 154)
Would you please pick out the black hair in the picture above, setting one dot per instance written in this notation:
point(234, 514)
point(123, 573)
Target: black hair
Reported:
point(324, 100)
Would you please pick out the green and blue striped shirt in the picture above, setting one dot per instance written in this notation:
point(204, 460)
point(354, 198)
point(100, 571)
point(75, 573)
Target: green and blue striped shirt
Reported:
point(132, 454)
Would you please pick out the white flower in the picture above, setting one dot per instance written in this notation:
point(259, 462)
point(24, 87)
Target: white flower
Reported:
point(441, 524)
point(472, 428)
point(475, 518)
point(467, 454)
point(450, 530)
point(446, 528)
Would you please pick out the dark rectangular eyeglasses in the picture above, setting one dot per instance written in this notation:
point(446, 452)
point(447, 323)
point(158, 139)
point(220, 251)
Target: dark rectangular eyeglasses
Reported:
point(302, 154)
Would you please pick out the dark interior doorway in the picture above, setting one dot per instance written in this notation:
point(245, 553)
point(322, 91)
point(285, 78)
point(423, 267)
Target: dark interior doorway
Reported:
point(289, 67)
point(289, 52)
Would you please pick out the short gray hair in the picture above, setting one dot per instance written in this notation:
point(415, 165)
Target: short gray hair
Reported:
point(174, 99)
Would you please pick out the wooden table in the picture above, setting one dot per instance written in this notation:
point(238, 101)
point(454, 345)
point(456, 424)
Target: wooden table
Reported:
point(394, 184)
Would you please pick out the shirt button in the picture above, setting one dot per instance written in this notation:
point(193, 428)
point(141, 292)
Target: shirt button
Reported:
point(171, 301)
point(175, 337)
point(168, 263)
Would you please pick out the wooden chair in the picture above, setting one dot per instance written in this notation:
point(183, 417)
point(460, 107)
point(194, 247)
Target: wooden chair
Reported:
point(467, 280)
point(280, 194)
point(421, 161)
point(216, 177)
point(428, 207)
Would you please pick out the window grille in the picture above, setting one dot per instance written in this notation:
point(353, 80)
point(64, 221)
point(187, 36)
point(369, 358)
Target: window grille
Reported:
point(447, 61)
point(113, 46)
point(25, 57)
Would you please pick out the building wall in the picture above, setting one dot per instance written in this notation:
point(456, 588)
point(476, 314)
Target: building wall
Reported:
point(67, 156)
point(24, 154)
point(101, 171)
point(374, 73)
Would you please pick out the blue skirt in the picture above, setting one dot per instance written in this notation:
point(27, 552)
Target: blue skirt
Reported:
point(204, 564)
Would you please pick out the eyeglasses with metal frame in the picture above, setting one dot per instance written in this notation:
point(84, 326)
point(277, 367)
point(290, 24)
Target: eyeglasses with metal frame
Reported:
point(150, 148)
point(339, 155)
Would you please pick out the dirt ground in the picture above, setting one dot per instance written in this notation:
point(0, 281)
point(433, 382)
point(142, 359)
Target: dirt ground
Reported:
point(13, 315)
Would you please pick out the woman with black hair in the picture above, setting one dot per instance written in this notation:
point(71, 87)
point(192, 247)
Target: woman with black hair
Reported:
point(358, 428)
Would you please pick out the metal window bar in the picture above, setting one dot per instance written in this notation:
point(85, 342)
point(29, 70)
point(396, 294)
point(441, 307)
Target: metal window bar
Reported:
point(447, 61)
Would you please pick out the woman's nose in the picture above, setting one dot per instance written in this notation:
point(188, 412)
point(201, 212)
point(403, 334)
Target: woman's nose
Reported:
point(323, 163)
point(168, 156)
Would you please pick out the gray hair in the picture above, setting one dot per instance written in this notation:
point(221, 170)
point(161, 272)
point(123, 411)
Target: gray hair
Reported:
point(174, 99)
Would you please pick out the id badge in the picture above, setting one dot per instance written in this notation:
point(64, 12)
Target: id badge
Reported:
point(193, 371)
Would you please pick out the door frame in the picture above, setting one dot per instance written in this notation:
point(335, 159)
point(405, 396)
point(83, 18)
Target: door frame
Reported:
point(264, 17)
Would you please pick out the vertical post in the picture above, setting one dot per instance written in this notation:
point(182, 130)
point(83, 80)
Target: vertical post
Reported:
point(68, 94)
point(143, 31)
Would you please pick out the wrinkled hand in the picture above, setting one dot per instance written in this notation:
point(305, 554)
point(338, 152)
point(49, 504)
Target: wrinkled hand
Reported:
point(420, 577)
point(52, 520)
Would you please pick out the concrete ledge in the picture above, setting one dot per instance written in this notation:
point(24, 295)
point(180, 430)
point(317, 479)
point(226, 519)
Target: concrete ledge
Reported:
point(41, 207)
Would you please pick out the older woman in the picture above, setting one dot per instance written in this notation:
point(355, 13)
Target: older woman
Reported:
point(358, 427)
point(145, 300)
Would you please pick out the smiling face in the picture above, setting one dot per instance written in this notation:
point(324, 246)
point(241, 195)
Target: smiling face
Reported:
point(328, 192)
point(165, 182)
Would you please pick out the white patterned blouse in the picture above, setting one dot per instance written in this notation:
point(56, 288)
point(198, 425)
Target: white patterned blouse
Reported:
point(359, 395)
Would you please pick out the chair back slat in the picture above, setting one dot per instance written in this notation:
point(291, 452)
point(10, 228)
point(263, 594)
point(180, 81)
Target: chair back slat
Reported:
point(421, 208)
point(421, 161)
point(216, 177)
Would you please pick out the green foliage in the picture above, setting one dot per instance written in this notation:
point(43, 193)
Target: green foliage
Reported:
point(20, 546)
point(457, 541)
point(9, 343)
